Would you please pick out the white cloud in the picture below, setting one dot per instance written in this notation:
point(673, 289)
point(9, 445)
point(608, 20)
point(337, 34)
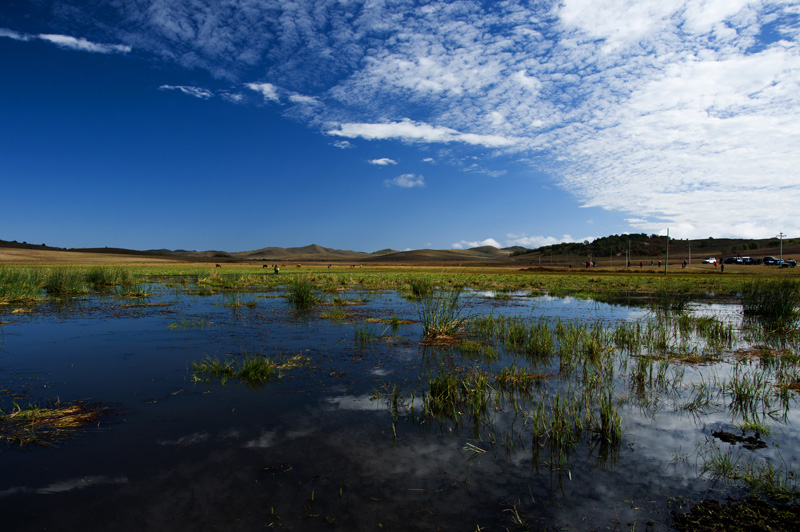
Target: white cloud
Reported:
point(428, 160)
point(409, 130)
point(14, 35)
point(467, 244)
point(267, 90)
point(667, 111)
point(197, 92)
point(233, 97)
point(306, 100)
point(70, 43)
point(538, 241)
point(342, 144)
point(383, 161)
point(406, 181)
point(65, 41)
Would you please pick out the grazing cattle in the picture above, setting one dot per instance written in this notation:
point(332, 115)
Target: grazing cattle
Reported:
point(265, 265)
point(299, 265)
point(218, 266)
point(283, 265)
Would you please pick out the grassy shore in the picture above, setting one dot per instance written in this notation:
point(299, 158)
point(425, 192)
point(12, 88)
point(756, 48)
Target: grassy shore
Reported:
point(28, 283)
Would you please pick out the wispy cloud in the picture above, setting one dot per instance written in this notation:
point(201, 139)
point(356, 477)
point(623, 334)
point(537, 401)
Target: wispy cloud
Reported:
point(267, 90)
point(303, 99)
point(68, 42)
point(668, 111)
point(383, 161)
point(409, 130)
point(197, 92)
point(406, 181)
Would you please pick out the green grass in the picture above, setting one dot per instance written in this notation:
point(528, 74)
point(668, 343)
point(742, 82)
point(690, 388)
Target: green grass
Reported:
point(774, 302)
point(301, 294)
point(442, 314)
point(19, 285)
point(251, 369)
point(61, 282)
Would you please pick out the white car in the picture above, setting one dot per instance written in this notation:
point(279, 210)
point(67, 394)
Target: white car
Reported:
point(709, 260)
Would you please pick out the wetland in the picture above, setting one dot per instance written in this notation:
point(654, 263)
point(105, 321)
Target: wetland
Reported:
point(155, 399)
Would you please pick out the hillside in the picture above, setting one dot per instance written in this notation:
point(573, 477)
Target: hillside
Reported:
point(610, 250)
point(645, 246)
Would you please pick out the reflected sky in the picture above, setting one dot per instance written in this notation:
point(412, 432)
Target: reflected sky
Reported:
point(322, 446)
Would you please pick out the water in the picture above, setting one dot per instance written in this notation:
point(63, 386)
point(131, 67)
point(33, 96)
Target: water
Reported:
point(315, 449)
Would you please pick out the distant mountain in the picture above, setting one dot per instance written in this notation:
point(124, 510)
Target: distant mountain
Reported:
point(640, 246)
point(310, 252)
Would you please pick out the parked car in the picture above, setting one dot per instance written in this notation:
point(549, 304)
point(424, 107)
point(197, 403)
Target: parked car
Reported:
point(709, 260)
point(787, 263)
point(770, 260)
point(752, 260)
point(733, 260)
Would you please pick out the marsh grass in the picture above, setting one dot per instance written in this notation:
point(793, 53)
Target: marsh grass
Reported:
point(19, 285)
point(772, 302)
point(760, 474)
point(452, 396)
point(366, 333)
point(670, 299)
point(188, 323)
point(335, 313)
point(302, 294)
point(442, 315)
point(63, 282)
point(103, 277)
point(43, 425)
point(518, 380)
point(421, 287)
point(250, 369)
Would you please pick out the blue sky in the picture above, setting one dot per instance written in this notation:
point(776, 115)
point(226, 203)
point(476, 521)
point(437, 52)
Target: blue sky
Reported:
point(369, 124)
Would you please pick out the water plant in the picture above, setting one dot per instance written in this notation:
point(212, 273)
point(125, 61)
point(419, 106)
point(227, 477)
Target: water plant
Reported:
point(301, 293)
point(442, 314)
point(251, 369)
point(45, 424)
point(61, 282)
point(19, 285)
point(452, 395)
point(421, 287)
point(774, 302)
point(761, 475)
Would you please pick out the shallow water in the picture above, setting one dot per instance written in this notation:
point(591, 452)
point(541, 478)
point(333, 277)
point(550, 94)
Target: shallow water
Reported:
point(315, 449)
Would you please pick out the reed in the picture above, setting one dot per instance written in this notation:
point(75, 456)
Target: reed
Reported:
point(251, 369)
point(421, 287)
point(61, 282)
point(774, 302)
point(451, 395)
point(18, 285)
point(442, 314)
point(301, 294)
point(102, 277)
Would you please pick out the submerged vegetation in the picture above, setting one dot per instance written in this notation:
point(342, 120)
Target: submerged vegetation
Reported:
point(47, 424)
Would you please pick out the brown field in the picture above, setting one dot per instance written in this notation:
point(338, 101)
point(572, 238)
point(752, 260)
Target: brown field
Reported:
point(26, 254)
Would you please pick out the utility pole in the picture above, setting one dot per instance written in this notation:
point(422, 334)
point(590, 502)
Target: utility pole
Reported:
point(690, 251)
point(667, 261)
point(781, 235)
